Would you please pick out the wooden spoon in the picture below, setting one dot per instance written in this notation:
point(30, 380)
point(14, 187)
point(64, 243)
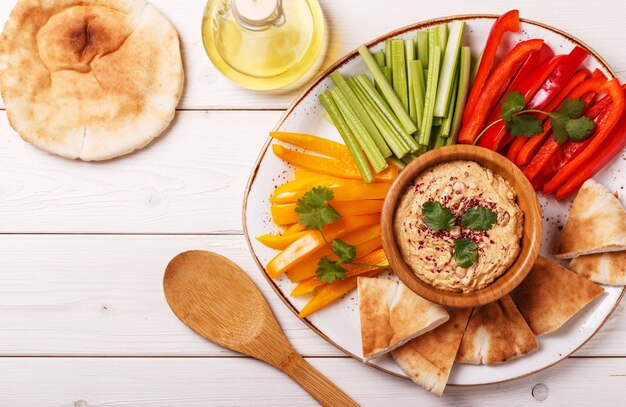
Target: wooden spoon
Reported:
point(214, 297)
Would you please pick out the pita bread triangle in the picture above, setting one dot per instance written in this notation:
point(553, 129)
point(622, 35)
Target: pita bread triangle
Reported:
point(596, 223)
point(541, 300)
point(496, 333)
point(428, 359)
point(392, 315)
point(604, 268)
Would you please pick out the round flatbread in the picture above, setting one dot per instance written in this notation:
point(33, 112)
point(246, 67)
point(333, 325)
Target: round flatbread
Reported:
point(89, 79)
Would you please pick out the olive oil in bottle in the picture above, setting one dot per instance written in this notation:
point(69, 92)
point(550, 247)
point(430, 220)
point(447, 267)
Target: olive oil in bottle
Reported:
point(265, 44)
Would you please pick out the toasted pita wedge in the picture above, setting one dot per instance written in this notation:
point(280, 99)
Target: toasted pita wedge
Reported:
point(392, 315)
point(540, 296)
point(596, 223)
point(496, 333)
point(428, 359)
point(604, 268)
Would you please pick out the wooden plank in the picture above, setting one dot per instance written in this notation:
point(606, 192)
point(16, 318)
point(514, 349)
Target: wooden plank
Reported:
point(86, 295)
point(155, 382)
point(189, 181)
point(207, 88)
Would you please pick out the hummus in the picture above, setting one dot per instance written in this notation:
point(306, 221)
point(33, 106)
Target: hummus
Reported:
point(459, 186)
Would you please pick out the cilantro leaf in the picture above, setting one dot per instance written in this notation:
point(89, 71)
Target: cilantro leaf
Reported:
point(572, 108)
point(479, 218)
point(344, 251)
point(329, 271)
point(437, 217)
point(524, 125)
point(512, 103)
point(558, 123)
point(465, 252)
point(580, 129)
point(313, 210)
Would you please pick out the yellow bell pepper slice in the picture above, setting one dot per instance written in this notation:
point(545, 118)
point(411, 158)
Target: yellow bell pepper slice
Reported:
point(330, 166)
point(342, 193)
point(331, 292)
point(318, 144)
point(296, 227)
point(364, 250)
point(281, 242)
point(297, 251)
point(284, 214)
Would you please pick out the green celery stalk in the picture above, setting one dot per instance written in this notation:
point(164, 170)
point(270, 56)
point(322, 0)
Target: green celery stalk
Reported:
point(387, 91)
point(386, 110)
point(448, 68)
point(440, 141)
point(347, 136)
point(416, 80)
point(361, 113)
point(393, 139)
point(387, 72)
point(442, 36)
point(326, 117)
point(465, 67)
point(398, 72)
point(446, 125)
point(437, 121)
point(429, 99)
point(388, 53)
point(380, 58)
point(397, 162)
point(357, 128)
point(409, 53)
point(422, 46)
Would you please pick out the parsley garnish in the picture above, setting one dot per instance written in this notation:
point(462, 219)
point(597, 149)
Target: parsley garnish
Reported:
point(479, 218)
point(314, 212)
point(465, 252)
point(437, 217)
point(566, 122)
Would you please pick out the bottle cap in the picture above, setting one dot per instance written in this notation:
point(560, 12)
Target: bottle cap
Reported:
point(258, 14)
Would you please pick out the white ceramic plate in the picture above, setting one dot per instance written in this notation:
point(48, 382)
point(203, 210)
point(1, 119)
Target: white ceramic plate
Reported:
point(339, 322)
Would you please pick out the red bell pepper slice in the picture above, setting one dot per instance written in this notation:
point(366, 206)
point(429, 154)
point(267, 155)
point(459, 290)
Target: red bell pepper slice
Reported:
point(495, 86)
point(527, 87)
point(598, 74)
point(508, 21)
point(614, 114)
point(528, 147)
point(611, 148)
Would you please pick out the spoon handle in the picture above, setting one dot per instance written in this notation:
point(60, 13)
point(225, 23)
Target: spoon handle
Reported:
point(315, 383)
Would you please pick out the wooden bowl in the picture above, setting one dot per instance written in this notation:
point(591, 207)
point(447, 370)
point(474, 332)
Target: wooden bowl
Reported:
point(526, 199)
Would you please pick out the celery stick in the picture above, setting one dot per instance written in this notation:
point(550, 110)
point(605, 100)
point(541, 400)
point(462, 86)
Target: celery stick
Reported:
point(384, 108)
point(408, 158)
point(448, 68)
point(409, 54)
point(360, 132)
point(437, 121)
point(465, 66)
point(397, 162)
point(446, 125)
point(442, 36)
point(388, 53)
point(440, 142)
point(398, 72)
point(429, 99)
point(422, 47)
point(326, 117)
point(387, 72)
point(347, 136)
point(380, 58)
point(416, 80)
point(387, 91)
point(361, 113)
point(394, 140)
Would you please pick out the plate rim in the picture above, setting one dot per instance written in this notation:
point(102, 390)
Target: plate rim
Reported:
point(323, 75)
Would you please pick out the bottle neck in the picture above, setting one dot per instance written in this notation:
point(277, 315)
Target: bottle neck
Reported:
point(258, 15)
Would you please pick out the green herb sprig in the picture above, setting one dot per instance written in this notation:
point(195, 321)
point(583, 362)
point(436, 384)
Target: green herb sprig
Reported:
point(567, 123)
point(314, 212)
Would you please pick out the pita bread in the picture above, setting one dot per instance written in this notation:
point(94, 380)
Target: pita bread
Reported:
point(603, 268)
point(428, 359)
point(392, 315)
point(596, 223)
point(540, 296)
point(496, 333)
point(89, 79)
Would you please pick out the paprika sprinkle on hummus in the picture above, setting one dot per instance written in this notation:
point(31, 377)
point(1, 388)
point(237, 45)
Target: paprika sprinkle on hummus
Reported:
point(458, 226)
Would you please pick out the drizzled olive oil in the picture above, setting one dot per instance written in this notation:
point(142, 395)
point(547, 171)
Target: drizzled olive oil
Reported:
point(265, 44)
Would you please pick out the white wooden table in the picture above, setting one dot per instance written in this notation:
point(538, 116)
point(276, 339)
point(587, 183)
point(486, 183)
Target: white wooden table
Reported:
point(83, 321)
